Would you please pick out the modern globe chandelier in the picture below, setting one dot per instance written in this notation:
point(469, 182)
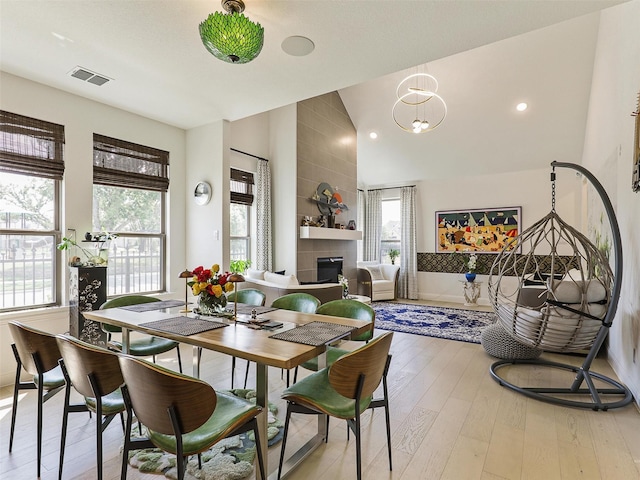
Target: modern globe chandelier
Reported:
point(418, 108)
point(231, 36)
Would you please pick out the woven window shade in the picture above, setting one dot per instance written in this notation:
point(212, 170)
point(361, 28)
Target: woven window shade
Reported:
point(124, 164)
point(31, 147)
point(241, 187)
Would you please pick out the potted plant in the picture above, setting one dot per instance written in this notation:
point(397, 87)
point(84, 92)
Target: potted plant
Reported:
point(471, 267)
point(393, 254)
point(239, 266)
point(91, 259)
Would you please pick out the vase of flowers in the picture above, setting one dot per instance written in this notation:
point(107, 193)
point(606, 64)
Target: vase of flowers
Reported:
point(471, 268)
point(211, 287)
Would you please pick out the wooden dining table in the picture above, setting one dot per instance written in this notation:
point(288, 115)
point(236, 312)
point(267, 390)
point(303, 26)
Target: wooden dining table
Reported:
point(243, 340)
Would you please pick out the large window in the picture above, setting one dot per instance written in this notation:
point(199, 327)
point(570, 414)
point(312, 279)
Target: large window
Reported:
point(391, 228)
point(31, 167)
point(129, 188)
point(241, 188)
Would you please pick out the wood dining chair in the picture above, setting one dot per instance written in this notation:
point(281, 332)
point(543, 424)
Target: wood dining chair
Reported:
point(148, 346)
point(37, 353)
point(183, 415)
point(254, 298)
point(95, 374)
point(345, 308)
point(344, 390)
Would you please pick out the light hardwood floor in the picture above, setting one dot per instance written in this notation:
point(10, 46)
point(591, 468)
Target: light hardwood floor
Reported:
point(449, 420)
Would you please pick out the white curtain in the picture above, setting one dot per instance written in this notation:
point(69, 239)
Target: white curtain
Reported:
point(408, 281)
point(360, 221)
point(373, 226)
point(264, 240)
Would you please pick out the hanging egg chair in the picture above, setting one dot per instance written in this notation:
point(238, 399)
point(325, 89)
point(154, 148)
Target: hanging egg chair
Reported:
point(557, 292)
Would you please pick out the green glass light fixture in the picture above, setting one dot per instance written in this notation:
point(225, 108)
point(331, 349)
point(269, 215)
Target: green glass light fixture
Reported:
point(231, 36)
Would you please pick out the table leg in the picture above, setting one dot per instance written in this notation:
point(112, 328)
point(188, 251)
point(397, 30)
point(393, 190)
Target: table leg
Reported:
point(262, 399)
point(126, 333)
point(197, 354)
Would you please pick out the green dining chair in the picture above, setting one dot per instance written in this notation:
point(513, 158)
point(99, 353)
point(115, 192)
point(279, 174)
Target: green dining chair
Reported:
point(344, 308)
point(297, 302)
point(37, 353)
point(344, 391)
point(149, 346)
point(254, 298)
point(183, 415)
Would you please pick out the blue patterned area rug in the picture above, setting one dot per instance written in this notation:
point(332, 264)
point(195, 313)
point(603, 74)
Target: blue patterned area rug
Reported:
point(440, 322)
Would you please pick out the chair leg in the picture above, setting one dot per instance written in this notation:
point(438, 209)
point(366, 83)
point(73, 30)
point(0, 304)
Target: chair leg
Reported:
point(284, 439)
point(295, 375)
point(179, 359)
point(259, 449)
point(356, 433)
point(16, 389)
point(99, 441)
point(246, 374)
point(40, 395)
point(233, 370)
point(63, 433)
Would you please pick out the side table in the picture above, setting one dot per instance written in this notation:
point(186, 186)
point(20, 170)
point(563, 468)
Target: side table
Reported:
point(471, 292)
point(360, 298)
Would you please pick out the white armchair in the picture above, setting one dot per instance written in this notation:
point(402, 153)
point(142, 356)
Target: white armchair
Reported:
point(378, 280)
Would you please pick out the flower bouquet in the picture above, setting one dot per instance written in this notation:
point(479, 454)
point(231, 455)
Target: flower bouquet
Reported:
point(344, 281)
point(210, 286)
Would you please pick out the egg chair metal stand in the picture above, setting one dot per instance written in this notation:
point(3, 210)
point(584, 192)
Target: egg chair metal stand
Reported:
point(570, 306)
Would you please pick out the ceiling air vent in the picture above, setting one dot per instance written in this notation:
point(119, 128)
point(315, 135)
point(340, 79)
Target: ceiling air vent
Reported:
point(88, 76)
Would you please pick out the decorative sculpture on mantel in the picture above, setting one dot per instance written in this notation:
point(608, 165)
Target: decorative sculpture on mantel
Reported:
point(328, 201)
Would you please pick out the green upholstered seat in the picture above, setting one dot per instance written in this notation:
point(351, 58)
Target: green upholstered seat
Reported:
point(248, 296)
point(347, 309)
point(37, 353)
point(173, 405)
point(51, 379)
point(94, 372)
point(230, 411)
point(148, 346)
point(344, 390)
point(298, 302)
point(316, 392)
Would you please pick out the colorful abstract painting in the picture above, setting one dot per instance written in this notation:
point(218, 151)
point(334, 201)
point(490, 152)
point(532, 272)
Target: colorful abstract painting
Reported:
point(480, 230)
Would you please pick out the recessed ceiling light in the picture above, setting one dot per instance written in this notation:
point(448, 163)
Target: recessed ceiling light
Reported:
point(297, 46)
point(373, 135)
point(521, 107)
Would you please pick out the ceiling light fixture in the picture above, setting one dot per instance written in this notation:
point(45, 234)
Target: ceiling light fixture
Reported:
point(419, 108)
point(521, 107)
point(373, 135)
point(231, 36)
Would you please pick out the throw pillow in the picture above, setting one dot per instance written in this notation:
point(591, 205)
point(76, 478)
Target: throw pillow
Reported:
point(281, 280)
point(376, 272)
point(255, 274)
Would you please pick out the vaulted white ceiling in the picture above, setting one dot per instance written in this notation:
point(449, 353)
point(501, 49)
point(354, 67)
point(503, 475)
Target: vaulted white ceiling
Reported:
point(152, 51)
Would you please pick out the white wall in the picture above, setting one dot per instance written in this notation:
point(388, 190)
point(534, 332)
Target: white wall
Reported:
point(81, 118)
point(530, 190)
point(283, 161)
point(609, 144)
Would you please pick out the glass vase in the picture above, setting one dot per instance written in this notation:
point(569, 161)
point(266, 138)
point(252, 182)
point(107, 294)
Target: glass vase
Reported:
point(211, 305)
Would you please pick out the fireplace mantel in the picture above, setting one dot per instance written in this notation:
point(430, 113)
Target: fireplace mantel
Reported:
point(329, 233)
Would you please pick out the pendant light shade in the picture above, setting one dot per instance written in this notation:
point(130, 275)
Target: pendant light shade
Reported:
point(231, 36)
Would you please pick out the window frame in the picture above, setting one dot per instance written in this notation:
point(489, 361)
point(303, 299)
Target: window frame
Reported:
point(139, 167)
point(20, 159)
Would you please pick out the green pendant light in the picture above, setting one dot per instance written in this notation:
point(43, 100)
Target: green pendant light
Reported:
point(231, 36)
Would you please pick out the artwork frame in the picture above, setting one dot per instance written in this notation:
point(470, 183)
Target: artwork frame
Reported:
point(466, 230)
